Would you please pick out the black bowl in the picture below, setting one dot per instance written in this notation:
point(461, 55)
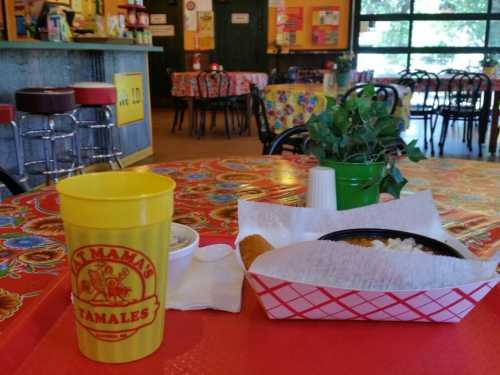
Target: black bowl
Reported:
point(437, 247)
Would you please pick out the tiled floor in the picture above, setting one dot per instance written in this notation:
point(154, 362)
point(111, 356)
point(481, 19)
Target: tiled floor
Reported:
point(181, 145)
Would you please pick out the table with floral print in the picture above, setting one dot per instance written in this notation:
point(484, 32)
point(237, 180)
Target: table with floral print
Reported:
point(185, 84)
point(33, 271)
point(289, 105)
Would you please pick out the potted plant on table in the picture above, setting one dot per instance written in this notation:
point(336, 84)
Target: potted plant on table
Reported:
point(343, 70)
point(361, 141)
point(489, 64)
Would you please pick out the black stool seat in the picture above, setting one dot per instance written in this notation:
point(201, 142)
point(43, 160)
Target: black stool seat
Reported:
point(45, 100)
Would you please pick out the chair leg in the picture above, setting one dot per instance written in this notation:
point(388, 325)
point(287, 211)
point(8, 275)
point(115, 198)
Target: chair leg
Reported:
point(176, 118)
point(433, 129)
point(183, 111)
point(444, 131)
point(226, 123)
point(470, 126)
point(425, 133)
point(201, 125)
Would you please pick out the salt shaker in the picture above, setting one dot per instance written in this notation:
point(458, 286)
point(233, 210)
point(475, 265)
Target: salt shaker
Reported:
point(321, 191)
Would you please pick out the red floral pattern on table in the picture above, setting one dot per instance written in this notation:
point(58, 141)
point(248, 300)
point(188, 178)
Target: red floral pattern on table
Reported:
point(31, 236)
point(185, 84)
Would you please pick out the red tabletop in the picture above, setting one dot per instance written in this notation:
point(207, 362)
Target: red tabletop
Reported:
point(35, 288)
point(185, 84)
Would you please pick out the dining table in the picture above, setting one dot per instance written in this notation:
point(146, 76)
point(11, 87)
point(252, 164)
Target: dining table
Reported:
point(37, 326)
point(293, 104)
point(491, 100)
point(185, 86)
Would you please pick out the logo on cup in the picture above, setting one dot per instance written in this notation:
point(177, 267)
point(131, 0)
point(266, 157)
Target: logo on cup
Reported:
point(115, 291)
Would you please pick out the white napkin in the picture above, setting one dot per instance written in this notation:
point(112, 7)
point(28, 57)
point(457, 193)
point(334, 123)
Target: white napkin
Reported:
point(213, 281)
point(284, 225)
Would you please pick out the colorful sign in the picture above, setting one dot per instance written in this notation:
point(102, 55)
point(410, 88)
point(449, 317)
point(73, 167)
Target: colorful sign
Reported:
point(130, 103)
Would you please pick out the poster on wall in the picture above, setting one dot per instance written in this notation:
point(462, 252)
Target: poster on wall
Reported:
point(206, 31)
point(191, 9)
point(325, 26)
point(190, 15)
point(282, 36)
point(130, 98)
point(294, 19)
point(325, 16)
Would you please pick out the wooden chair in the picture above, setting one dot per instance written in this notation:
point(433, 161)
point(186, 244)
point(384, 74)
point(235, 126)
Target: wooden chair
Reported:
point(425, 103)
point(464, 100)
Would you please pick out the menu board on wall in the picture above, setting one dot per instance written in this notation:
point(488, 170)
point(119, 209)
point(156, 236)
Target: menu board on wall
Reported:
point(299, 25)
point(325, 21)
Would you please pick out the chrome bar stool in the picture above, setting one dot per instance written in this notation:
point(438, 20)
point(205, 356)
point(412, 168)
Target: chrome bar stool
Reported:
point(48, 122)
point(102, 146)
point(8, 118)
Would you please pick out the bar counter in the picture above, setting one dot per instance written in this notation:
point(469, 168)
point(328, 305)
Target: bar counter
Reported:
point(37, 64)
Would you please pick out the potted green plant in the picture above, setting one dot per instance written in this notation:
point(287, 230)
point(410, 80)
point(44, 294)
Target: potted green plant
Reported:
point(489, 64)
point(361, 141)
point(343, 70)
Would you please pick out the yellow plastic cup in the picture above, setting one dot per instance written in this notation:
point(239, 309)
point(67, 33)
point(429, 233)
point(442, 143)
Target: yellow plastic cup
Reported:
point(117, 227)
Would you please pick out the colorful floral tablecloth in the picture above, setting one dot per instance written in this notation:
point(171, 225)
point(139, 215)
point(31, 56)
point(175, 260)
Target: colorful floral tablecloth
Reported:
point(185, 84)
point(31, 234)
point(289, 105)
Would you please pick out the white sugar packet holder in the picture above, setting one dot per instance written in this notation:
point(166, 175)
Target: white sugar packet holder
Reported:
point(307, 279)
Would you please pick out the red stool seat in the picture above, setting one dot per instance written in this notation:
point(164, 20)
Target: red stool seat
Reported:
point(94, 93)
point(7, 113)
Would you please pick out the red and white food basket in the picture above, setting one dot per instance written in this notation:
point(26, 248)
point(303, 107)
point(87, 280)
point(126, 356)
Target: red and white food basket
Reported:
point(307, 279)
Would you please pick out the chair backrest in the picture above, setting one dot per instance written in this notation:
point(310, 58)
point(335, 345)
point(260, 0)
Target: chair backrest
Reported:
point(366, 76)
point(259, 111)
point(426, 83)
point(213, 85)
point(12, 185)
point(450, 72)
point(464, 91)
point(384, 93)
point(294, 140)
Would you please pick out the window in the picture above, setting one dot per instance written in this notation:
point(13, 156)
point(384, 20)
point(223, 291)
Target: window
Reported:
point(448, 33)
point(392, 35)
point(386, 34)
point(451, 6)
point(385, 6)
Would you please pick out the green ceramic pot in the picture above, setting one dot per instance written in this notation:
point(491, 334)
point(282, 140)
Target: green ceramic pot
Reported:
point(343, 79)
point(357, 184)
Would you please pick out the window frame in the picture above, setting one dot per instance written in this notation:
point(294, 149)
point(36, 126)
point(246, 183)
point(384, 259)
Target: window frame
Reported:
point(411, 17)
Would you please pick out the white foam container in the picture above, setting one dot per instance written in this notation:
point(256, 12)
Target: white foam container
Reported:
point(179, 260)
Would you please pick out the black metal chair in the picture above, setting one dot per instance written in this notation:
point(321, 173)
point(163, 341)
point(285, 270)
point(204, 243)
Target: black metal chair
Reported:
point(384, 93)
point(266, 136)
point(294, 140)
point(366, 76)
point(213, 89)
point(12, 185)
point(425, 103)
point(180, 106)
point(464, 100)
